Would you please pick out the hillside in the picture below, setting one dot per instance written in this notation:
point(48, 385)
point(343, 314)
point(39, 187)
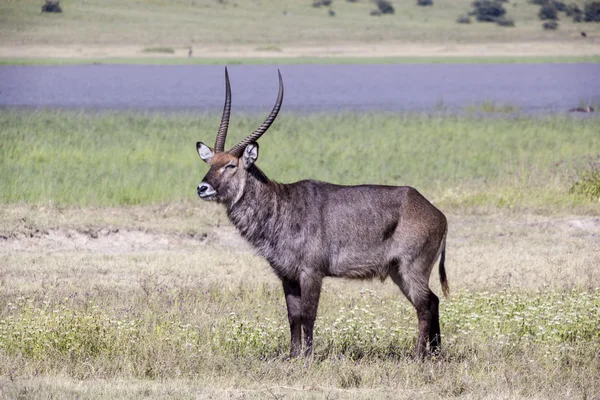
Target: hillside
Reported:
point(278, 28)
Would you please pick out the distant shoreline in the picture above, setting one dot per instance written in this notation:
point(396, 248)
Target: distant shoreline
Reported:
point(340, 54)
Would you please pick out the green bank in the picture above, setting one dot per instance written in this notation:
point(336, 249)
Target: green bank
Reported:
point(117, 158)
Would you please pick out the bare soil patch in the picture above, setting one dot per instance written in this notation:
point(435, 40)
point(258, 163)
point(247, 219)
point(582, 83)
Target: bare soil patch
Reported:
point(112, 240)
point(484, 251)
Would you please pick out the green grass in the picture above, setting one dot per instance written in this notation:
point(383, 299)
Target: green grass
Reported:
point(112, 158)
point(263, 23)
point(302, 60)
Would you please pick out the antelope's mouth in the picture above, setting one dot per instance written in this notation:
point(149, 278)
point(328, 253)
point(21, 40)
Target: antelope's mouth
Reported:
point(206, 191)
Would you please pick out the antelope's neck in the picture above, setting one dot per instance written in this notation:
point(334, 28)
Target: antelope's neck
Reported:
point(257, 212)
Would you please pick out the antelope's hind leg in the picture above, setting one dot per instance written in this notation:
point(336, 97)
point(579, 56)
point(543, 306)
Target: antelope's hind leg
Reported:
point(413, 281)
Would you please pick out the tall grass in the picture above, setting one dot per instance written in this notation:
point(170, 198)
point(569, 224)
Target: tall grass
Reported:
point(112, 158)
point(206, 332)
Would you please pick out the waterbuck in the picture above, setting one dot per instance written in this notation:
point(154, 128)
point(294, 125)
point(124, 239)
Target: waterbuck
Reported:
point(310, 230)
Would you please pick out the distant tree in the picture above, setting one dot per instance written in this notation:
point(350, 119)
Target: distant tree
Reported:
point(550, 25)
point(319, 3)
point(591, 11)
point(572, 9)
point(384, 6)
point(424, 3)
point(548, 12)
point(488, 10)
point(559, 5)
point(52, 6)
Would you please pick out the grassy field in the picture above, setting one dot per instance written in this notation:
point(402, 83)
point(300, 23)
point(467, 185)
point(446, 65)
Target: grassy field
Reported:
point(267, 29)
point(167, 302)
point(95, 159)
point(117, 282)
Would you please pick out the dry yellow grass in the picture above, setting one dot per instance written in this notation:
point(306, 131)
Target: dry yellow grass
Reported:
point(490, 251)
point(122, 257)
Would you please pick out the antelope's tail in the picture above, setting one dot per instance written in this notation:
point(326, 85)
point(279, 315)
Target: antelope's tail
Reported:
point(443, 278)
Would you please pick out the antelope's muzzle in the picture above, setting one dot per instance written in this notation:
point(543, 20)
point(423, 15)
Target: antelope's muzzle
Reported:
point(206, 191)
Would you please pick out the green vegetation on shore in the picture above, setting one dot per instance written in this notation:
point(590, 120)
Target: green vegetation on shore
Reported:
point(117, 158)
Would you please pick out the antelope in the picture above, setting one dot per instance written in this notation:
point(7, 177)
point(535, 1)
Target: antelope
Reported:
point(309, 230)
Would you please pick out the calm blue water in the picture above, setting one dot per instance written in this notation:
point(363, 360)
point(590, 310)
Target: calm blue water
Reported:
point(308, 88)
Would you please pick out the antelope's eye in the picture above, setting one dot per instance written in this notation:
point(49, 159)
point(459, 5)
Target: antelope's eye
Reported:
point(230, 166)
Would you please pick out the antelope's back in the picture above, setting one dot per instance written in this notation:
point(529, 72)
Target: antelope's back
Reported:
point(363, 227)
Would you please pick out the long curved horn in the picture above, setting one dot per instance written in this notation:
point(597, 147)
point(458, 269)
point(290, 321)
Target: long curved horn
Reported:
point(238, 149)
point(222, 134)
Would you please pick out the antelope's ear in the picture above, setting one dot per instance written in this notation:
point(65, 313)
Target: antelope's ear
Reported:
point(250, 155)
point(205, 152)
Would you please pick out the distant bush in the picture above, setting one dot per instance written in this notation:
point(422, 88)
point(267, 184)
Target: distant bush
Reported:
point(384, 6)
point(559, 5)
point(463, 19)
point(488, 10)
point(52, 6)
point(424, 3)
point(591, 11)
point(550, 25)
point(572, 9)
point(505, 21)
point(548, 12)
point(575, 12)
point(319, 3)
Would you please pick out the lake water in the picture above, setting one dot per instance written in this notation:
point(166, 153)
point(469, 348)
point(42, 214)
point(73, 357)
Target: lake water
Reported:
point(308, 88)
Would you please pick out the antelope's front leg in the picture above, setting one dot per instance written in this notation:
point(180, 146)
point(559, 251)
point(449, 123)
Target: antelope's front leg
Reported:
point(294, 308)
point(310, 287)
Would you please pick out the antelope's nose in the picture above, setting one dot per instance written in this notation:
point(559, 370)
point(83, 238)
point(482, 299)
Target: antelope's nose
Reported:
point(205, 190)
